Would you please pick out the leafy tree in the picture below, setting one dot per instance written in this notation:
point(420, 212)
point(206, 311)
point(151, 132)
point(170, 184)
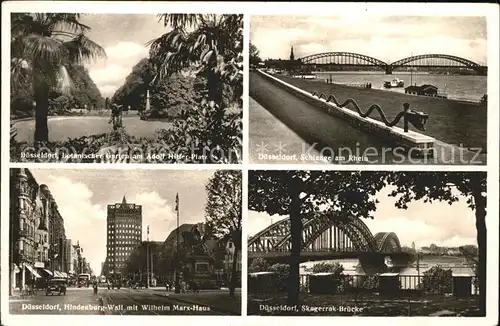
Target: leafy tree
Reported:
point(258, 265)
point(300, 194)
point(254, 57)
point(84, 91)
point(213, 47)
point(445, 186)
point(47, 44)
point(133, 90)
point(223, 212)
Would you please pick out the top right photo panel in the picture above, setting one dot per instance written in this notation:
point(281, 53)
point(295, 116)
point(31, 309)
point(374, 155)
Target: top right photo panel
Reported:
point(368, 90)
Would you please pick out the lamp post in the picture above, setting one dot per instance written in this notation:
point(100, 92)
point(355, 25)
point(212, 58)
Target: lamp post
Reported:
point(147, 259)
point(177, 265)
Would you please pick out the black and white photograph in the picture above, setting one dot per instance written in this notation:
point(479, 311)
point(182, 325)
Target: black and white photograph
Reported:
point(124, 242)
point(126, 88)
point(366, 243)
point(362, 88)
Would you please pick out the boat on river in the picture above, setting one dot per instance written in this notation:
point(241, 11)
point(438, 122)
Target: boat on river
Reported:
point(396, 82)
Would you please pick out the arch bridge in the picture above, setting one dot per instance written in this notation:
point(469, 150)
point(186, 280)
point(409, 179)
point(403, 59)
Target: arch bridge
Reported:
point(325, 236)
point(349, 59)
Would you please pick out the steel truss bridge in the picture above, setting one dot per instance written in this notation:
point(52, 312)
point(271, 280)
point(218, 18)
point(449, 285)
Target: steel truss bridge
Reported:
point(325, 236)
point(348, 59)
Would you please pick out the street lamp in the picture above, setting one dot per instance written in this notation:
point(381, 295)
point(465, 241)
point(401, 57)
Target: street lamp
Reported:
point(418, 253)
point(147, 259)
point(177, 265)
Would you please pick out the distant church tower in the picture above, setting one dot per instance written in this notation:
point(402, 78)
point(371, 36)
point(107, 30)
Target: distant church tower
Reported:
point(292, 57)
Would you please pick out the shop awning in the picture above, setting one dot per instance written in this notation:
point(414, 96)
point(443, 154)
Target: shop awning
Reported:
point(48, 272)
point(35, 274)
point(57, 274)
point(64, 274)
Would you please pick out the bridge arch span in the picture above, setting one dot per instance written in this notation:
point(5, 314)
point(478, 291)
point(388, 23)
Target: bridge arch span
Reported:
point(347, 58)
point(460, 62)
point(277, 237)
point(387, 242)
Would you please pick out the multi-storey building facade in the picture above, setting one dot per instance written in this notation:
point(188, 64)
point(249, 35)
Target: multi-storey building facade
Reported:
point(124, 234)
point(58, 239)
point(69, 257)
point(33, 215)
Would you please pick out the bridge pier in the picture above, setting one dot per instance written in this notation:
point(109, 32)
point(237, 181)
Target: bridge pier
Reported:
point(481, 71)
point(388, 70)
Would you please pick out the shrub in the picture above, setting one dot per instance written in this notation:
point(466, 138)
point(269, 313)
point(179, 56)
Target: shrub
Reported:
point(282, 272)
point(336, 268)
point(437, 280)
point(336, 282)
point(258, 265)
point(371, 282)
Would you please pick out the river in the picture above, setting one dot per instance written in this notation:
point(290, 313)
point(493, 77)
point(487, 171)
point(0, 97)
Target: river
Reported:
point(457, 87)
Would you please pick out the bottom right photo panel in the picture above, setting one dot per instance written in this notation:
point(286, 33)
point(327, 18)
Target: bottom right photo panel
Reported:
point(366, 243)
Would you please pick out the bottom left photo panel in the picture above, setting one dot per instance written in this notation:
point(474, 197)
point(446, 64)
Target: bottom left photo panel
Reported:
point(125, 242)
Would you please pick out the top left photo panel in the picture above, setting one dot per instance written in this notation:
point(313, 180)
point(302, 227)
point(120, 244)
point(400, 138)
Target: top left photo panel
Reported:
point(159, 88)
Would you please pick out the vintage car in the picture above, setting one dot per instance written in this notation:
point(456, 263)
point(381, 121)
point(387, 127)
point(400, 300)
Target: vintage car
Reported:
point(56, 285)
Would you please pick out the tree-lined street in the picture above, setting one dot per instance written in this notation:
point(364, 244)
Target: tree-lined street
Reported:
point(127, 301)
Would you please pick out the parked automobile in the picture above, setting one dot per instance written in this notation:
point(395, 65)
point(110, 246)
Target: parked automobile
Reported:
point(56, 286)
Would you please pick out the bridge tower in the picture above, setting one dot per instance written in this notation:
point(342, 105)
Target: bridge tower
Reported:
point(292, 56)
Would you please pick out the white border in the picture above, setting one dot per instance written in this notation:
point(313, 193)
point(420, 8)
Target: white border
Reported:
point(266, 8)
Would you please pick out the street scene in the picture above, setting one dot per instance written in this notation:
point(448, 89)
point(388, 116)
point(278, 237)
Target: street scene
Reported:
point(168, 92)
point(119, 242)
point(340, 243)
point(411, 91)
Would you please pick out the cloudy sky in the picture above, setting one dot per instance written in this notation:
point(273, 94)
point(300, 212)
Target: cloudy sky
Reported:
point(83, 195)
point(388, 38)
point(422, 223)
point(123, 36)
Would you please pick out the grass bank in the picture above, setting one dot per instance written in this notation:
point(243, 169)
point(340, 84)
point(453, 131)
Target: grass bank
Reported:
point(449, 121)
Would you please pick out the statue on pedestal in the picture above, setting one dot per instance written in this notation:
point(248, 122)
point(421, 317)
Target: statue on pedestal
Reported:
point(193, 241)
point(116, 116)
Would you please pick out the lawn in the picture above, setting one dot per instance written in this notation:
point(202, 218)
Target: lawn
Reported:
point(62, 128)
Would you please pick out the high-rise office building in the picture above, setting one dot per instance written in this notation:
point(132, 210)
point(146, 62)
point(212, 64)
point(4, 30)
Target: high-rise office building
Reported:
point(124, 233)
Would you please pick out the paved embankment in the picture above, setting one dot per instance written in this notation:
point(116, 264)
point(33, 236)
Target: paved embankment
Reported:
point(269, 136)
